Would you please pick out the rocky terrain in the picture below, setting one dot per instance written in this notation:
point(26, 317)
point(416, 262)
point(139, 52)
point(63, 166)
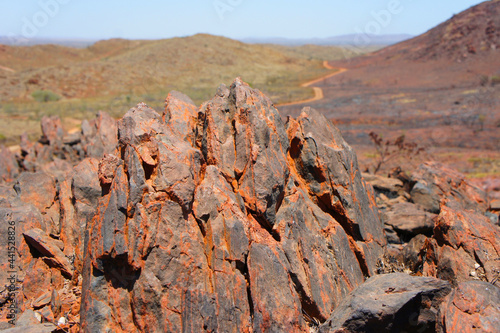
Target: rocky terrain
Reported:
point(225, 218)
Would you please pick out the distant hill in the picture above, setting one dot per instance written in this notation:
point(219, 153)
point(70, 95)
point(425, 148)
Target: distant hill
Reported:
point(441, 88)
point(114, 75)
point(471, 34)
point(359, 40)
point(342, 40)
point(41, 41)
point(120, 67)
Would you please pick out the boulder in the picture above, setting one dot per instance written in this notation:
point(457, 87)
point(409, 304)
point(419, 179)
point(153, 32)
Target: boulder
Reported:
point(465, 246)
point(414, 253)
point(9, 168)
point(435, 182)
point(470, 234)
point(49, 249)
point(394, 302)
point(391, 187)
point(409, 220)
point(474, 306)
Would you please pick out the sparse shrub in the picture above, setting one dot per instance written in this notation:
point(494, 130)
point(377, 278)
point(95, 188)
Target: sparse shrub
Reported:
point(481, 118)
point(45, 96)
point(492, 80)
point(2, 137)
point(495, 79)
point(10, 108)
point(387, 150)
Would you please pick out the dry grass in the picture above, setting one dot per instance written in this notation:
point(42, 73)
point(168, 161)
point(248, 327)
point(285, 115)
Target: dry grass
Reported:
point(115, 75)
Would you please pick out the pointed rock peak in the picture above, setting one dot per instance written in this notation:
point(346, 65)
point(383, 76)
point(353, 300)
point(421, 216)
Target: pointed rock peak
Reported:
point(107, 168)
point(176, 96)
point(141, 106)
point(309, 112)
point(52, 130)
point(139, 124)
point(144, 111)
point(180, 115)
point(222, 91)
point(239, 82)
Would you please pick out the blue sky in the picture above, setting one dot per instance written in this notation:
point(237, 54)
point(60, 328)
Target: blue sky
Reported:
point(153, 19)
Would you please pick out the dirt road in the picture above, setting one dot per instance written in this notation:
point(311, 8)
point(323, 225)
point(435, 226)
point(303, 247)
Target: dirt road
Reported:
point(7, 69)
point(318, 92)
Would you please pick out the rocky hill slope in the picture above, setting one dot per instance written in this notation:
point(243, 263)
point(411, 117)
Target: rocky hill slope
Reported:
point(440, 90)
point(224, 218)
point(471, 34)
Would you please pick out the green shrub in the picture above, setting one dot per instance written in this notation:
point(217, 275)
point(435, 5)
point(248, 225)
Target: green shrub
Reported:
point(495, 79)
point(45, 96)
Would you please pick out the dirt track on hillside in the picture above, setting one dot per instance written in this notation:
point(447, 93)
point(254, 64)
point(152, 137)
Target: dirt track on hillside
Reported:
point(318, 92)
point(7, 69)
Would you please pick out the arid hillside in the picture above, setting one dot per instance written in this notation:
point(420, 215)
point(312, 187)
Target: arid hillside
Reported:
point(114, 75)
point(123, 67)
point(440, 89)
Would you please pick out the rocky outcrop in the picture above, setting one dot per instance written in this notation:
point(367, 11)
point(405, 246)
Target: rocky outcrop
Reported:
point(408, 220)
point(96, 138)
point(226, 219)
point(410, 205)
point(460, 243)
point(9, 169)
point(465, 246)
point(48, 193)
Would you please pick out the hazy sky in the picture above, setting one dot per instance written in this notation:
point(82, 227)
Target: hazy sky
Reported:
point(152, 19)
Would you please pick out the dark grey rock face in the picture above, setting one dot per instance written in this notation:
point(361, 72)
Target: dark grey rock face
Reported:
point(394, 302)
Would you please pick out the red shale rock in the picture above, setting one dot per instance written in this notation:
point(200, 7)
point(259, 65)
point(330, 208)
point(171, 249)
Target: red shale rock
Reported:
point(48, 248)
